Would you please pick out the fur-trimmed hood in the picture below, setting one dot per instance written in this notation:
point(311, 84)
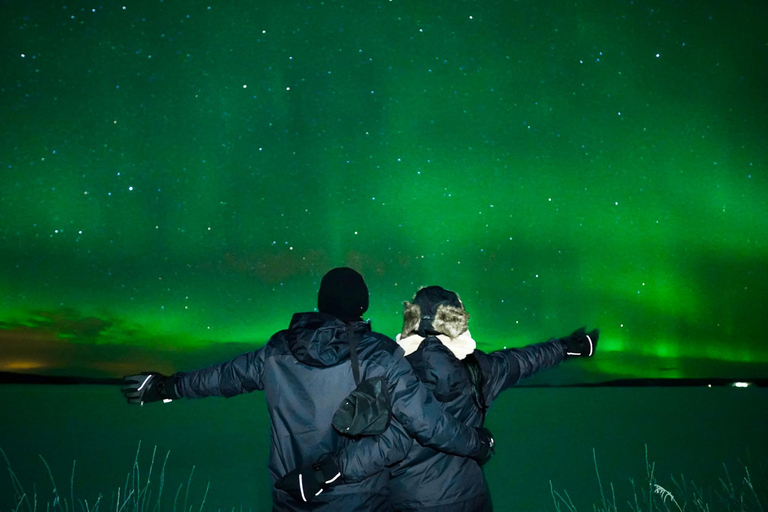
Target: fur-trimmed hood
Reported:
point(435, 310)
point(438, 312)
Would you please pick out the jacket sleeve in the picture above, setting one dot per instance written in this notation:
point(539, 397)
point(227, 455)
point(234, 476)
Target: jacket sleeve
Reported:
point(503, 369)
point(242, 374)
point(363, 458)
point(423, 417)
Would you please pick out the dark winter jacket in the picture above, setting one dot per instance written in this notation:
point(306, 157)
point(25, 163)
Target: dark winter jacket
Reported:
point(428, 480)
point(306, 373)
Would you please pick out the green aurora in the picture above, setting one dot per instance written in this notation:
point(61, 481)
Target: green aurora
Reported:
point(178, 176)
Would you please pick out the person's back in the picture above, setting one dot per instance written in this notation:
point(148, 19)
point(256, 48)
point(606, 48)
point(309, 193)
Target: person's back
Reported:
point(305, 372)
point(465, 381)
point(428, 479)
point(305, 381)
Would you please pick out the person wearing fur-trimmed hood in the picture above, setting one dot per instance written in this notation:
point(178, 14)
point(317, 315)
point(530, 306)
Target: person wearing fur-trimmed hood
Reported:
point(466, 381)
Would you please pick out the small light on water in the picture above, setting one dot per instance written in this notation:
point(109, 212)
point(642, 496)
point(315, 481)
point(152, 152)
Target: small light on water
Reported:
point(741, 384)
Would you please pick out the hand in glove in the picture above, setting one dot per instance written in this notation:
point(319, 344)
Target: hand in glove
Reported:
point(581, 343)
point(303, 484)
point(149, 387)
point(487, 451)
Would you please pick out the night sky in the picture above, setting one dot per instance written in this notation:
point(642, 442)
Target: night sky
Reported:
point(177, 176)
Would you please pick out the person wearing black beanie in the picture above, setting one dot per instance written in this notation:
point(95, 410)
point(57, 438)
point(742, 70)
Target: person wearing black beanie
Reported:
point(343, 294)
point(307, 372)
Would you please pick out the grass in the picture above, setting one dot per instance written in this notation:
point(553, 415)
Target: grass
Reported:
point(139, 493)
point(144, 493)
point(743, 496)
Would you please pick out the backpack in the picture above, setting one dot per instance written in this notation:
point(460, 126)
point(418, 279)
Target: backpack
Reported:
point(367, 410)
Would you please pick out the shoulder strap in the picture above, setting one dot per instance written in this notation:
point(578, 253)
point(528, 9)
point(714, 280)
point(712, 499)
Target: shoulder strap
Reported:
point(475, 372)
point(353, 337)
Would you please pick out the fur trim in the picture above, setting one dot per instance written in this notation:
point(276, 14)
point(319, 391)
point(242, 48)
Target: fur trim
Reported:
point(450, 320)
point(411, 318)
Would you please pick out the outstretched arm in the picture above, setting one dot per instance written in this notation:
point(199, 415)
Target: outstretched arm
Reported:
point(242, 374)
point(505, 368)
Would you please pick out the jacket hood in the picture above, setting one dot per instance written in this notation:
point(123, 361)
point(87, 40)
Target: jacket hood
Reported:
point(434, 311)
point(319, 339)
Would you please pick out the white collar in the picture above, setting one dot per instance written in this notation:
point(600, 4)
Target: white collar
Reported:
point(461, 346)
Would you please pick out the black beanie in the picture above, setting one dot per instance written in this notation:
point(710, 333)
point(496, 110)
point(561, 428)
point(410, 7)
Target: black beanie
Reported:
point(343, 293)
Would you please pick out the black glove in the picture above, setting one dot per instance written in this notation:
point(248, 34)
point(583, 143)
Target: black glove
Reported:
point(303, 484)
point(487, 451)
point(581, 343)
point(149, 387)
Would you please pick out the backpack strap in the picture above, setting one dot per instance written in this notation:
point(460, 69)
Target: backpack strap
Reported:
point(353, 339)
point(475, 372)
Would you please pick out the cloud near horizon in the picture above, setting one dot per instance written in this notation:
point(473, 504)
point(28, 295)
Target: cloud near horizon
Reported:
point(67, 342)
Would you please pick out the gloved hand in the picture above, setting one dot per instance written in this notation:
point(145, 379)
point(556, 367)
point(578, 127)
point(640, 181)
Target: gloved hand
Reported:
point(149, 387)
point(487, 451)
point(304, 483)
point(581, 343)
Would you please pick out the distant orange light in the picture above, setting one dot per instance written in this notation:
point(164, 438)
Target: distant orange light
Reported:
point(21, 365)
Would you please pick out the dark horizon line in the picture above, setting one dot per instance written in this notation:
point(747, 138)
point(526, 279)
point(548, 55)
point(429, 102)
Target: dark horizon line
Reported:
point(31, 378)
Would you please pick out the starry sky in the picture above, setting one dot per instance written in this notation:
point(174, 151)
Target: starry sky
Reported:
point(177, 176)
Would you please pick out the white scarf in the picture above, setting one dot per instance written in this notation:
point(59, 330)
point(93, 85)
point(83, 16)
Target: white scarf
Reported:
point(461, 346)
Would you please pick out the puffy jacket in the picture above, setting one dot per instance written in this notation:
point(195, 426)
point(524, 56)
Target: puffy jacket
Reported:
point(306, 372)
point(428, 480)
